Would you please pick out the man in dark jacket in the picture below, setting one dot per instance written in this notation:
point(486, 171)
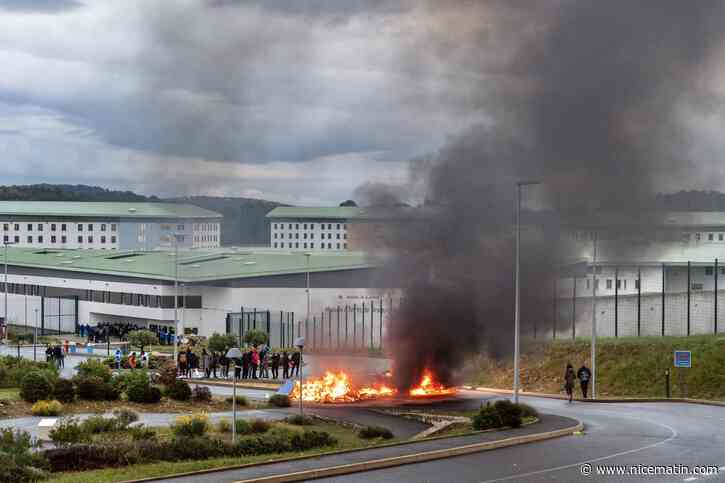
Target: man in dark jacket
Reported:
point(275, 365)
point(245, 365)
point(296, 362)
point(285, 365)
point(584, 375)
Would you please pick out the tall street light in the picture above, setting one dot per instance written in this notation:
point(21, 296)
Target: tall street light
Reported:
point(517, 311)
point(307, 262)
point(234, 354)
point(5, 313)
point(594, 315)
point(176, 301)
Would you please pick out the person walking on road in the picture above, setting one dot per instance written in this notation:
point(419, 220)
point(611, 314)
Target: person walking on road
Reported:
point(569, 378)
point(118, 358)
point(584, 375)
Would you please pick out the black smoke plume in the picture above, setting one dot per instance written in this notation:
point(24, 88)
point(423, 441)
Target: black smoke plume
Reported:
point(585, 97)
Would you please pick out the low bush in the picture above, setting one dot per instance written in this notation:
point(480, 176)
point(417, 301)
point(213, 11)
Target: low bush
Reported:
point(92, 388)
point(82, 457)
point(528, 411)
point(509, 413)
point(487, 418)
point(299, 420)
point(18, 463)
point(241, 400)
point(14, 369)
point(259, 425)
point(312, 439)
point(47, 408)
point(64, 391)
point(153, 395)
point(141, 433)
point(224, 426)
point(94, 368)
point(167, 373)
point(36, 386)
point(125, 416)
point(137, 386)
point(98, 424)
point(371, 432)
point(179, 390)
point(502, 413)
point(190, 426)
point(201, 393)
point(68, 432)
point(242, 426)
point(280, 401)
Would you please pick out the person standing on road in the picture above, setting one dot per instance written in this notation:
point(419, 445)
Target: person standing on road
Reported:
point(255, 362)
point(584, 375)
point(285, 365)
point(118, 358)
point(275, 365)
point(569, 379)
point(296, 364)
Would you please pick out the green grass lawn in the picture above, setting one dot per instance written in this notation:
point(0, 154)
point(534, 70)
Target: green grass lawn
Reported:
point(347, 439)
point(10, 394)
point(626, 366)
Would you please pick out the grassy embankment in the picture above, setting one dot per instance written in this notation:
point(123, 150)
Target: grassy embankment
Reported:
point(626, 366)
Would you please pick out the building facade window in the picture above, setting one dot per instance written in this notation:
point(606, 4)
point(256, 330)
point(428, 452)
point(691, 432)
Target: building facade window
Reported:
point(90, 239)
point(30, 239)
point(63, 239)
point(52, 227)
point(16, 239)
point(708, 270)
point(79, 227)
point(80, 239)
point(30, 227)
point(103, 227)
point(63, 227)
point(113, 227)
point(103, 239)
point(90, 227)
point(609, 284)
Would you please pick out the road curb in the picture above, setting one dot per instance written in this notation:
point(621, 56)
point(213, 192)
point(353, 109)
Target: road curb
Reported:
point(704, 402)
point(413, 458)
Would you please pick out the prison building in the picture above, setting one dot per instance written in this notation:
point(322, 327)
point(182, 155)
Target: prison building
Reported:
point(107, 225)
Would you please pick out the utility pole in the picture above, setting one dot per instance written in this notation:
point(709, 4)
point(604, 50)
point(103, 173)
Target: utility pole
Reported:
point(517, 311)
point(176, 303)
point(594, 317)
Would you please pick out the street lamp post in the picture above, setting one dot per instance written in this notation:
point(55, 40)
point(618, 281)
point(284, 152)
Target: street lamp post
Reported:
point(35, 334)
point(307, 261)
point(176, 303)
point(5, 285)
point(300, 343)
point(517, 311)
point(234, 354)
point(594, 316)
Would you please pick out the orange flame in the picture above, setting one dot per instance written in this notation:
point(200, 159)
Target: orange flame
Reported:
point(338, 387)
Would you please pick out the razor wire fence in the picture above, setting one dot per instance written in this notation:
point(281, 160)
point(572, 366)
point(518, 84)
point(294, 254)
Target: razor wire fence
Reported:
point(667, 299)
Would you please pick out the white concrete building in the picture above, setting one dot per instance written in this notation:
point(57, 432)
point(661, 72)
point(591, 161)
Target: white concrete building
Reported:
point(59, 289)
point(317, 229)
point(107, 226)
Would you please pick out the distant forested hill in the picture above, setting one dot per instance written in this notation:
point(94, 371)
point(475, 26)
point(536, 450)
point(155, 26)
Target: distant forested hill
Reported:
point(244, 218)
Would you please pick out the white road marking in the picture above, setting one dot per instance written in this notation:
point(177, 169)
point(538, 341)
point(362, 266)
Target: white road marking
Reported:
point(692, 478)
point(674, 434)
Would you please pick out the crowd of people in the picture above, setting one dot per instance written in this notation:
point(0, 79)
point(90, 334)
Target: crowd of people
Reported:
point(100, 333)
point(255, 363)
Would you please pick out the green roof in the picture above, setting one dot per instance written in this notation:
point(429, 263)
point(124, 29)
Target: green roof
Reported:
point(334, 213)
point(196, 265)
point(103, 209)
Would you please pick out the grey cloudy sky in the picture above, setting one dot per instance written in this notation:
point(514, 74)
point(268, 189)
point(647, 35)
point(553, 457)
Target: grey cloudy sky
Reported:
point(297, 101)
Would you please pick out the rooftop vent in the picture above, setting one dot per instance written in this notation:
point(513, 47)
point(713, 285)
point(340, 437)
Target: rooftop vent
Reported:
point(124, 255)
point(250, 263)
point(44, 252)
point(204, 260)
point(132, 210)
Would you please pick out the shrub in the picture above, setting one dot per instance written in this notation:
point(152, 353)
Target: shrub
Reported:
point(370, 432)
point(243, 426)
point(17, 462)
point(528, 411)
point(137, 386)
point(221, 343)
point(280, 400)
point(313, 439)
point(167, 373)
point(68, 432)
point(259, 425)
point(224, 426)
point(141, 433)
point(487, 418)
point(36, 386)
point(180, 390)
point(47, 408)
point(98, 424)
point(13, 370)
point(125, 416)
point(94, 368)
point(201, 393)
point(110, 393)
point(91, 388)
point(241, 400)
point(509, 413)
point(153, 395)
point(142, 338)
point(299, 420)
point(64, 391)
point(87, 457)
point(190, 426)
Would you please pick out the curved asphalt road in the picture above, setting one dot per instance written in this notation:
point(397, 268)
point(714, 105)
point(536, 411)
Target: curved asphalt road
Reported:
point(615, 434)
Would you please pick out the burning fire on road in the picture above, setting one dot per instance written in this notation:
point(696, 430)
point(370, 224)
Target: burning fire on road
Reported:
point(337, 387)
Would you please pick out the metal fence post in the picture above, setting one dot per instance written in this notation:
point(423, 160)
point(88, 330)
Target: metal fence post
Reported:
point(639, 301)
point(616, 301)
point(556, 313)
point(663, 300)
point(689, 284)
point(354, 326)
point(363, 326)
point(715, 274)
point(372, 323)
point(345, 326)
point(329, 328)
point(573, 312)
point(338, 327)
point(269, 327)
point(380, 339)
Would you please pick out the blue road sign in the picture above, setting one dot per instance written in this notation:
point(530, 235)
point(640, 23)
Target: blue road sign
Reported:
point(287, 387)
point(683, 359)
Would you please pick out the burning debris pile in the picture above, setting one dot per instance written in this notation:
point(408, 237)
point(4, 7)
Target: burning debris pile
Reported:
point(337, 387)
